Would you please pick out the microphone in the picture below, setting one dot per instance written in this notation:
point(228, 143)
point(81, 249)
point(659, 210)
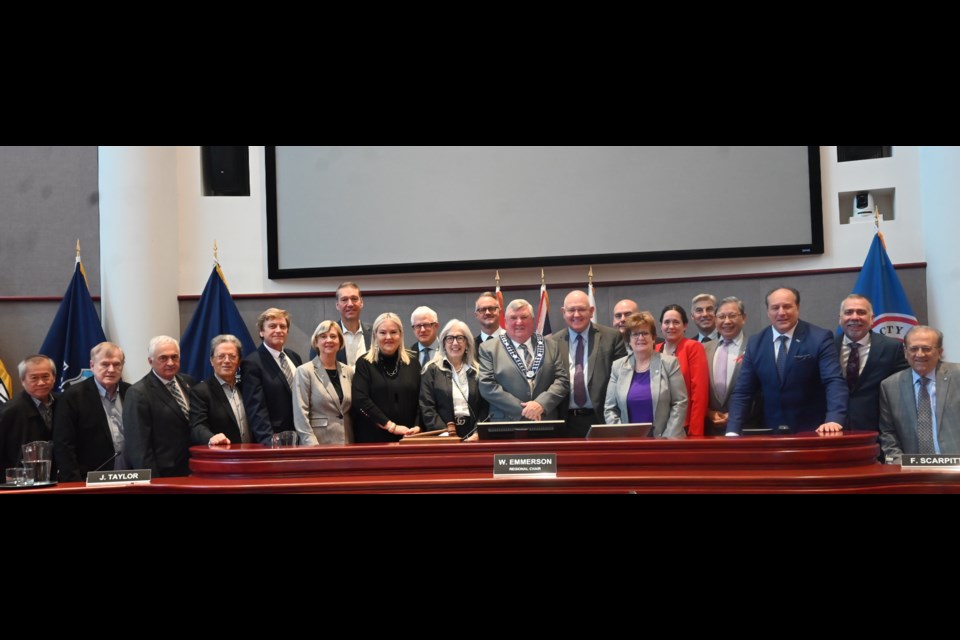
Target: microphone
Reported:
point(110, 459)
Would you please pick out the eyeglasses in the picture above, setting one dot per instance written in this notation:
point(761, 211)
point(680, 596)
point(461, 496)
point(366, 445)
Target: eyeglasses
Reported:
point(640, 334)
point(919, 348)
point(457, 339)
point(226, 356)
point(727, 316)
point(421, 327)
point(487, 309)
point(573, 310)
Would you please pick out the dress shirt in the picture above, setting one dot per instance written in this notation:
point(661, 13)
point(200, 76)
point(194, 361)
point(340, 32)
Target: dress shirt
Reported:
point(864, 350)
point(353, 343)
point(236, 403)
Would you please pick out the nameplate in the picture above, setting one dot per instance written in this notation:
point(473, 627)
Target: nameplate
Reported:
point(914, 462)
point(133, 476)
point(529, 465)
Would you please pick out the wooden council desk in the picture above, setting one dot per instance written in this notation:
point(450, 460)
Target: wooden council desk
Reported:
point(804, 463)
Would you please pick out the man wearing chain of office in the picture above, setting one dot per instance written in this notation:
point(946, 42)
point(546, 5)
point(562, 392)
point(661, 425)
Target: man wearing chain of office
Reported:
point(522, 375)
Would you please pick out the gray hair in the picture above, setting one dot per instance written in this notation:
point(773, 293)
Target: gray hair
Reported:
point(923, 327)
point(424, 310)
point(35, 359)
point(704, 296)
point(857, 296)
point(733, 300)
point(105, 349)
point(469, 354)
point(158, 341)
point(518, 304)
point(226, 337)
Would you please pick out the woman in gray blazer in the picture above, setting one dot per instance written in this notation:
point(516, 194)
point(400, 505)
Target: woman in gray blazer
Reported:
point(646, 386)
point(322, 391)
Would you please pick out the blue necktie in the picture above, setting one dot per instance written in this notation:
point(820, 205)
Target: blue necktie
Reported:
point(782, 357)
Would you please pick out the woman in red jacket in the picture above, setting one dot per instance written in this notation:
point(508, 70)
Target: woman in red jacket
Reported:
point(693, 365)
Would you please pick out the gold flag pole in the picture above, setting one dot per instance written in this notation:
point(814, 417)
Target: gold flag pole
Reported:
point(216, 265)
point(542, 279)
point(876, 225)
point(497, 278)
point(590, 276)
point(78, 249)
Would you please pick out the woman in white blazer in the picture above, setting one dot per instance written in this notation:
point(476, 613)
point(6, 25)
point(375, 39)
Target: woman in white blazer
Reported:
point(646, 386)
point(322, 391)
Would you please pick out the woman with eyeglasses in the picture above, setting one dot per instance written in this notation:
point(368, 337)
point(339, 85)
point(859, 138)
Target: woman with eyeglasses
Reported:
point(449, 385)
point(693, 365)
point(322, 391)
point(386, 386)
point(646, 386)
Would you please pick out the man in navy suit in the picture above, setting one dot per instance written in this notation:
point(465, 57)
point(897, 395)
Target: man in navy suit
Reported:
point(794, 364)
point(874, 358)
point(266, 378)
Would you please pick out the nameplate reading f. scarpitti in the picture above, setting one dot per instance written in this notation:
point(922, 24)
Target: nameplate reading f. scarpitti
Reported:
point(134, 476)
point(532, 465)
point(929, 462)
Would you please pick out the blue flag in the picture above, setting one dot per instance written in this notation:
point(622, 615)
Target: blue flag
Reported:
point(215, 314)
point(75, 331)
point(892, 314)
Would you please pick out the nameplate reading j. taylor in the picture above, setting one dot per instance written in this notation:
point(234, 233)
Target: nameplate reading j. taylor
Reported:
point(932, 462)
point(134, 476)
point(533, 465)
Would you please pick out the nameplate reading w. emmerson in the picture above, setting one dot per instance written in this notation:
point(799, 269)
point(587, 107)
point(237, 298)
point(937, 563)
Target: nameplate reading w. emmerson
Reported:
point(534, 465)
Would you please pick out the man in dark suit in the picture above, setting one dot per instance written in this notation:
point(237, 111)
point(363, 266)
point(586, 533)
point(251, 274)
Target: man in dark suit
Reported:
point(920, 406)
point(522, 374)
point(356, 336)
point(724, 359)
point(425, 325)
point(866, 360)
point(794, 364)
point(268, 376)
point(487, 312)
point(88, 422)
point(217, 414)
point(29, 416)
point(589, 351)
point(156, 414)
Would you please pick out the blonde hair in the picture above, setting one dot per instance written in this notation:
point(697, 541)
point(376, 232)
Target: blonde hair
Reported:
point(327, 326)
point(373, 354)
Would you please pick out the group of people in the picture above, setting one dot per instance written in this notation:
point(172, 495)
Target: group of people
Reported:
point(363, 384)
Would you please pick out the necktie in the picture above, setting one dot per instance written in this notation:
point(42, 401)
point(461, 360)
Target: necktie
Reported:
point(287, 370)
point(782, 357)
point(175, 392)
point(425, 355)
point(526, 355)
point(579, 388)
point(705, 339)
point(853, 365)
point(45, 414)
point(924, 419)
point(720, 369)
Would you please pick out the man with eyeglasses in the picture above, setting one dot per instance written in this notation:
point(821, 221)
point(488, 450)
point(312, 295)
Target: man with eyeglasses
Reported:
point(794, 364)
point(29, 416)
point(487, 312)
point(920, 406)
point(356, 335)
point(724, 357)
point(590, 351)
point(425, 324)
point(88, 424)
point(866, 360)
point(704, 306)
point(217, 415)
point(156, 413)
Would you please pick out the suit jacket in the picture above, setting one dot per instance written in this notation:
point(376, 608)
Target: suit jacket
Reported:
point(210, 413)
point(436, 398)
point(415, 348)
point(668, 391)
point(319, 416)
point(20, 423)
point(714, 336)
point(81, 434)
point(378, 399)
point(157, 433)
point(604, 347)
point(477, 342)
point(696, 376)
point(267, 398)
point(365, 329)
point(886, 358)
point(717, 403)
point(898, 412)
point(504, 388)
point(812, 393)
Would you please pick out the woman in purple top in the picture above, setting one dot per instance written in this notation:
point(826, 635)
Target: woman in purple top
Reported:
point(646, 386)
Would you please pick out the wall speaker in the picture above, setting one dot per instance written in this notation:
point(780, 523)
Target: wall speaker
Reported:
point(846, 154)
point(226, 171)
